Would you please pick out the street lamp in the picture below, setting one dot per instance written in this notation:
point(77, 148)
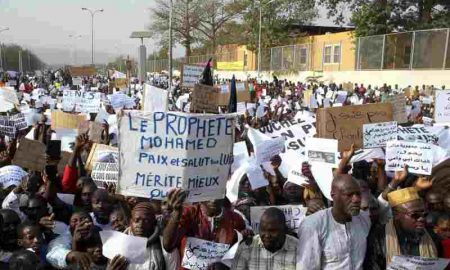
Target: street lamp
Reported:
point(259, 35)
point(92, 12)
point(1, 57)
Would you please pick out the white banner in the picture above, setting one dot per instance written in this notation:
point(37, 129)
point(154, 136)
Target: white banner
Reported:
point(418, 157)
point(160, 151)
point(295, 131)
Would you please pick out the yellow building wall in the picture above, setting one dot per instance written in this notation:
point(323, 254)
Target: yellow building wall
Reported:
point(348, 51)
point(232, 57)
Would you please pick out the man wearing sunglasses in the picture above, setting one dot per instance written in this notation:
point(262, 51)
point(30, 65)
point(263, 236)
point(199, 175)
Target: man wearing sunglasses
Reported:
point(404, 234)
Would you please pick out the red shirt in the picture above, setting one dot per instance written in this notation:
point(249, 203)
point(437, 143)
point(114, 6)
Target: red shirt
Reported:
point(69, 180)
point(194, 223)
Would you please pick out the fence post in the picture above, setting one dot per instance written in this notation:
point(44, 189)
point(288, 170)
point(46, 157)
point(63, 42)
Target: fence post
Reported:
point(412, 50)
point(446, 49)
point(282, 60)
point(358, 65)
point(294, 47)
point(382, 52)
point(271, 59)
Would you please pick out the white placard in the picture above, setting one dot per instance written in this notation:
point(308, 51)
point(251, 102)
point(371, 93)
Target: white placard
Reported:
point(442, 107)
point(377, 134)
point(190, 75)
point(417, 263)
point(81, 101)
point(11, 175)
point(155, 99)
point(417, 134)
point(105, 172)
point(294, 215)
point(160, 151)
point(133, 248)
point(418, 157)
point(256, 177)
point(199, 254)
point(295, 176)
point(320, 150)
point(8, 95)
point(265, 150)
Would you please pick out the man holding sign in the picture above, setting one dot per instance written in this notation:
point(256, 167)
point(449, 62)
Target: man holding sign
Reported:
point(208, 221)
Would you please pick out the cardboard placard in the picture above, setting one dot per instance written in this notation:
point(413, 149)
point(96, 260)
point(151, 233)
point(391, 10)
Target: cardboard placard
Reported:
point(205, 99)
point(94, 130)
point(242, 94)
point(398, 107)
point(65, 156)
point(82, 71)
point(66, 120)
point(30, 155)
point(345, 123)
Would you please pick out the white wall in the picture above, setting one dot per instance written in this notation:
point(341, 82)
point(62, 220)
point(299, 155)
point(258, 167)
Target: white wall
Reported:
point(403, 78)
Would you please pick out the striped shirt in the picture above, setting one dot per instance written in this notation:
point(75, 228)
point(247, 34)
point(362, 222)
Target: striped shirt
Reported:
point(256, 257)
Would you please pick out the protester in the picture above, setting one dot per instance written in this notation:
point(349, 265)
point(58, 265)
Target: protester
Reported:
point(271, 249)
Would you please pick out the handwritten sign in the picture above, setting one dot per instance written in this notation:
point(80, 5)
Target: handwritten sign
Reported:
point(30, 155)
point(418, 157)
point(294, 215)
point(11, 175)
point(345, 123)
point(120, 101)
point(442, 107)
point(66, 120)
point(398, 107)
point(199, 254)
point(81, 101)
point(417, 134)
point(104, 172)
point(376, 135)
point(159, 151)
point(190, 75)
point(265, 150)
point(204, 99)
point(417, 263)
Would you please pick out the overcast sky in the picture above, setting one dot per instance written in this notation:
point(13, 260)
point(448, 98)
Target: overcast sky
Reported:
point(45, 25)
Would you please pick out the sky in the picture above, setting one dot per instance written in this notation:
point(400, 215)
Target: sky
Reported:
point(44, 26)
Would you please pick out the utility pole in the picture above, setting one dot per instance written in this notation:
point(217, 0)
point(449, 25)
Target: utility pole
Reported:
point(170, 45)
point(1, 57)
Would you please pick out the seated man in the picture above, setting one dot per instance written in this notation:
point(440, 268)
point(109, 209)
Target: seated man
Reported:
point(271, 249)
point(404, 234)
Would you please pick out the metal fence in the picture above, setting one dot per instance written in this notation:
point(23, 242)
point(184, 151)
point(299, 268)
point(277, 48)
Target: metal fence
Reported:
point(296, 57)
point(424, 49)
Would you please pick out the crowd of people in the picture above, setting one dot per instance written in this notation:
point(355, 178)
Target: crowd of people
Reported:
point(374, 215)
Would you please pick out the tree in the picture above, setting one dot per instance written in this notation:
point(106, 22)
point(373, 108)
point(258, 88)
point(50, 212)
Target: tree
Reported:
point(185, 19)
point(384, 16)
point(10, 57)
point(278, 17)
point(214, 15)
